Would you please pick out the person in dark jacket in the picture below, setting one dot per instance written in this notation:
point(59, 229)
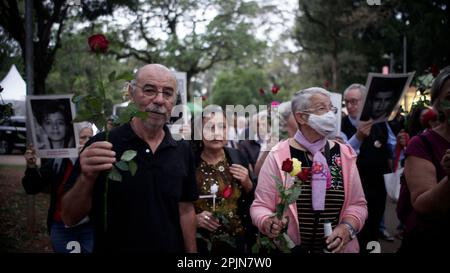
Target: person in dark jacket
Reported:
point(52, 174)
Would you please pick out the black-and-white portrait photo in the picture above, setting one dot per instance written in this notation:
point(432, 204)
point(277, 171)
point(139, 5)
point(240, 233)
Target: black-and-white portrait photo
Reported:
point(383, 95)
point(52, 128)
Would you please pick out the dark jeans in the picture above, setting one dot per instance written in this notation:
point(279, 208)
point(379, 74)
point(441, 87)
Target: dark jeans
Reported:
point(67, 240)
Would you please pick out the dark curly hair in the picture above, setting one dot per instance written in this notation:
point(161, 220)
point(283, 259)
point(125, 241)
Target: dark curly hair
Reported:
point(61, 106)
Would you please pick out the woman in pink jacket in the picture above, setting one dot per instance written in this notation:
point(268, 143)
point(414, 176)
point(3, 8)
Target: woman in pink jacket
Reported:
point(330, 192)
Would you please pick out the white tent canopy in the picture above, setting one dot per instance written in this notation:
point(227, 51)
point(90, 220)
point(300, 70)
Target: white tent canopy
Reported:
point(14, 90)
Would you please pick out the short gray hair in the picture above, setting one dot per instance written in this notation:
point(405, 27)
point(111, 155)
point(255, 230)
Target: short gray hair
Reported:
point(360, 87)
point(284, 112)
point(83, 125)
point(301, 100)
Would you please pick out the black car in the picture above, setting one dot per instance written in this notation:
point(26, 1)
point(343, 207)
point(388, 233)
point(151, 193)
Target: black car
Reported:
point(13, 134)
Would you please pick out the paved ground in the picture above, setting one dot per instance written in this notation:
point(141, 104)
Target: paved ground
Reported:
point(15, 160)
point(391, 224)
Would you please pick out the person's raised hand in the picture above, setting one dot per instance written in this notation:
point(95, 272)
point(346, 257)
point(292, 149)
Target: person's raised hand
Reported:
point(364, 128)
point(96, 158)
point(30, 156)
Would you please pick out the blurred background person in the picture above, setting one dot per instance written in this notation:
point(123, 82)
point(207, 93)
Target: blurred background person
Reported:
point(257, 137)
point(372, 143)
point(427, 168)
point(288, 127)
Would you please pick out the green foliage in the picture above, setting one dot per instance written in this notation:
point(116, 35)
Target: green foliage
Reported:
point(6, 111)
point(128, 155)
point(133, 167)
point(130, 111)
point(114, 175)
point(242, 87)
point(226, 38)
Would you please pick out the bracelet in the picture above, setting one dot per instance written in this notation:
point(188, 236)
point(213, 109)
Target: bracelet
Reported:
point(352, 231)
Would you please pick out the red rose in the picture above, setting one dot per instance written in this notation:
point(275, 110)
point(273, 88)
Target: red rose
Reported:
point(227, 192)
point(303, 175)
point(434, 70)
point(288, 165)
point(204, 98)
point(261, 91)
point(275, 89)
point(326, 84)
point(98, 43)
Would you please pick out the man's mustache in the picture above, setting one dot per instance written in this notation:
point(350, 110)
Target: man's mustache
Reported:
point(156, 109)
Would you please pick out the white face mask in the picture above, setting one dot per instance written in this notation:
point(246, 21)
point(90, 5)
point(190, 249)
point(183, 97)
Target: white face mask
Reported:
point(325, 124)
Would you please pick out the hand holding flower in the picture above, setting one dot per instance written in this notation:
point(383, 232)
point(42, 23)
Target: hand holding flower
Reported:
point(273, 226)
point(206, 220)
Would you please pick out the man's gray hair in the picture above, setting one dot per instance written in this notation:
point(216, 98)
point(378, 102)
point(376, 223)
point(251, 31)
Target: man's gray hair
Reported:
point(360, 87)
point(301, 100)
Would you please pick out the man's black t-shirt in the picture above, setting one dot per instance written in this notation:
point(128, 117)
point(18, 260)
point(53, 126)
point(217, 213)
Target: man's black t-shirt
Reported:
point(142, 210)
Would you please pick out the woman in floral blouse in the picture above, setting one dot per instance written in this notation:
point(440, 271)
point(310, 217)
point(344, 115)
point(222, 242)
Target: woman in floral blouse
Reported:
point(225, 188)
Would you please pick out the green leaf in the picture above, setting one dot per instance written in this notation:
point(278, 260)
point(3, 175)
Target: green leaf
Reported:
point(84, 115)
point(293, 196)
point(280, 210)
point(255, 249)
point(133, 167)
point(127, 76)
point(112, 76)
point(122, 165)
point(128, 155)
point(95, 104)
point(129, 112)
point(115, 175)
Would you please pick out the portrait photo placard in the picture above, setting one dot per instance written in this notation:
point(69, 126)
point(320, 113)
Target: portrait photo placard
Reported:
point(336, 100)
point(384, 92)
point(52, 130)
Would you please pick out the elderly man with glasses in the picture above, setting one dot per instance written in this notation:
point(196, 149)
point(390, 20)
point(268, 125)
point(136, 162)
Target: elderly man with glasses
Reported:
point(373, 144)
point(151, 211)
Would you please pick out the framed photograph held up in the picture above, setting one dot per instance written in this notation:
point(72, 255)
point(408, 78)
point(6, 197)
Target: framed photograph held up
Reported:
point(52, 129)
point(383, 95)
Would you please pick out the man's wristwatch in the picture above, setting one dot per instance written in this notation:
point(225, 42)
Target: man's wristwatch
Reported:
point(351, 230)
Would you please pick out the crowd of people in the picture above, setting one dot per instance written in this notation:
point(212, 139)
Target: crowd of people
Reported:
point(220, 195)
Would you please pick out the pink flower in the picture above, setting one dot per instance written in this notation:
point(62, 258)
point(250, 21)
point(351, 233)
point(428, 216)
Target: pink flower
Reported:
point(275, 103)
point(338, 161)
